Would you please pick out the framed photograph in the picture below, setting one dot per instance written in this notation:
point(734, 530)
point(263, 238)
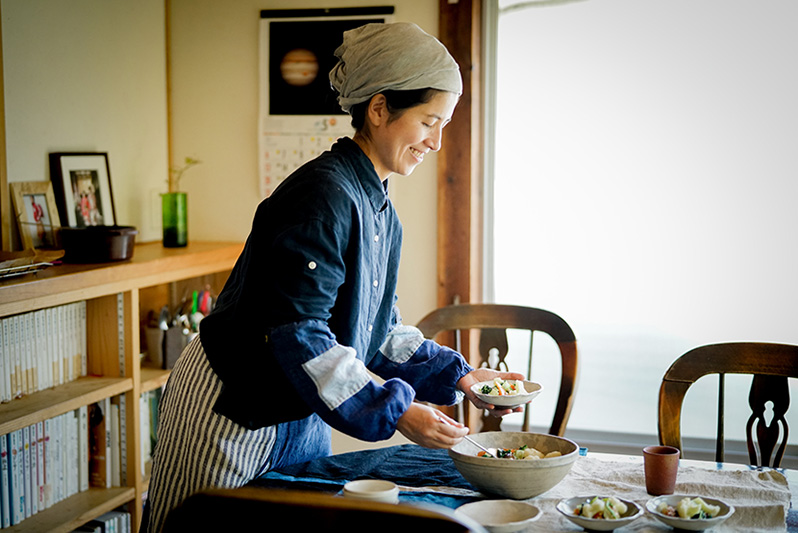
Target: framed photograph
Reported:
point(82, 187)
point(37, 215)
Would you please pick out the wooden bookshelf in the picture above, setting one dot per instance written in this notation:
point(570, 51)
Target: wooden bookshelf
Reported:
point(117, 296)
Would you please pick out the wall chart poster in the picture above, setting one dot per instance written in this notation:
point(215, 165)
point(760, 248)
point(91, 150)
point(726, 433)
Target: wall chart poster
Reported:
point(299, 114)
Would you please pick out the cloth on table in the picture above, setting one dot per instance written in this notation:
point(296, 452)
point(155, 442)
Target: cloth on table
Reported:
point(761, 497)
point(422, 474)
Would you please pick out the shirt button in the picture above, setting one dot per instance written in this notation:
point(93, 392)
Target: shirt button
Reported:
point(312, 265)
point(376, 238)
point(376, 283)
point(371, 327)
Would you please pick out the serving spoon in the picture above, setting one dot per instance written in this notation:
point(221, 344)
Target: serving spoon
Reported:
point(469, 439)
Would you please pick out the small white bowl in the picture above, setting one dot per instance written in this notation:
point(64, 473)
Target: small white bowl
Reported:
point(688, 524)
point(567, 506)
point(507, 401)
point(375, 490)
point(501, 516)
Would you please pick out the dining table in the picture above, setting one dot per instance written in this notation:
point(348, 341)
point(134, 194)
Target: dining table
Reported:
point(763, 497)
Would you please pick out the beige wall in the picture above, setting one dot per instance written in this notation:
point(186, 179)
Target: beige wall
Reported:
point(214, 66)
point(90, 75)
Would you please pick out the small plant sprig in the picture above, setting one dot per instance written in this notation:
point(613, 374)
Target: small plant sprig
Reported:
point(175, 173)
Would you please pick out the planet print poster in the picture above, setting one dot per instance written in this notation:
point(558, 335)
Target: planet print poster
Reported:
point(299, 114)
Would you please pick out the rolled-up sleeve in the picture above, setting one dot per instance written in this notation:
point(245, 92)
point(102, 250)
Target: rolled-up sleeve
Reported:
point(335, 383)
point(431, 369)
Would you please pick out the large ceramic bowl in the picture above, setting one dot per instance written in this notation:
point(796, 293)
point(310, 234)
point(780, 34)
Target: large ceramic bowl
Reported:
point(566, 508)
point(507, 401)
point(501, 516)
point(688, 524)
point(510, 478)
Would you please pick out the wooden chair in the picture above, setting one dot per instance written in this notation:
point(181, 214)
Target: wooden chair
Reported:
point(267, 509)
point(770, 364)
point(491, 322)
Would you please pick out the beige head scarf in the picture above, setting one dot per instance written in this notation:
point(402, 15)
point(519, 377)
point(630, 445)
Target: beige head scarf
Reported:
point(397, 56)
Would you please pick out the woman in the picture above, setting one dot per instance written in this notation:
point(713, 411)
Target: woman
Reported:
point(310, 304)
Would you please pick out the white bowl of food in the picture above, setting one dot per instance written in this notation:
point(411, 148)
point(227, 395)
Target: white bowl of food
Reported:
point(501, 516)
point(599, 513)
point(690, 513)
point(507, 476)
point(506, 393)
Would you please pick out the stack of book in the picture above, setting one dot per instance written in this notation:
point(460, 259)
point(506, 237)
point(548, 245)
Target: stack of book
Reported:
point(42, 349)
point(110, 522)
point(50, 461)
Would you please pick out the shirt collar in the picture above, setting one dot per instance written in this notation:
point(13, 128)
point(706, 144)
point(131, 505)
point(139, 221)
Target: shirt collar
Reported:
point(376, 189)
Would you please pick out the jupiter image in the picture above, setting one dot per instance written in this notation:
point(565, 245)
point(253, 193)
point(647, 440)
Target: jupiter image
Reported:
point(299, 67)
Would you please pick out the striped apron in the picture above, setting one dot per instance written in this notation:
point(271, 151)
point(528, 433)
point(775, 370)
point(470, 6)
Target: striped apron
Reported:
point(197, 448)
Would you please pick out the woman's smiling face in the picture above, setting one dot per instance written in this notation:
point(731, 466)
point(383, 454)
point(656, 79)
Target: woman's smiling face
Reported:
point(399, 145)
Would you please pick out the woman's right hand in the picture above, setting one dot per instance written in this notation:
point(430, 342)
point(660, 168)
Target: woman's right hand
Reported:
point(429, 427)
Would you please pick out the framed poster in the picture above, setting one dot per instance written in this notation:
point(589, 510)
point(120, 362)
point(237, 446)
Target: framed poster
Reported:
point(37, 215)
point(82, 185)
point(299, 112)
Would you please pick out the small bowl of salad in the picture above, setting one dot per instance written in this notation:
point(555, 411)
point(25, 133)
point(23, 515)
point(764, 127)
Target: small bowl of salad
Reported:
point(599, 513)
point(506, 393)
point(690, 513)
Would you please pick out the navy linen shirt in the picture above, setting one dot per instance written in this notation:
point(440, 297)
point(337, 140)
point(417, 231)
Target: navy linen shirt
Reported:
point(310, 305)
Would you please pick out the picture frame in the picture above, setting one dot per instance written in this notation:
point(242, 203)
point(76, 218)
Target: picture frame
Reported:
point(82, 187)
point(37, 214)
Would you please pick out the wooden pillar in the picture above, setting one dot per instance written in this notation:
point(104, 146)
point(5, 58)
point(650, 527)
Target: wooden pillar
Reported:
point(460, 163)
point(460, 176)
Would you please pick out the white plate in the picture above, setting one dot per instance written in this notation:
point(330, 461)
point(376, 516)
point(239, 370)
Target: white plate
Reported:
point(510, 400)
point(501, 516)
point(689, 524)
point(566, 508)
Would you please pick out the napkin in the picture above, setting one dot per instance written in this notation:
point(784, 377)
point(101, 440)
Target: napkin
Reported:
point(761, 498)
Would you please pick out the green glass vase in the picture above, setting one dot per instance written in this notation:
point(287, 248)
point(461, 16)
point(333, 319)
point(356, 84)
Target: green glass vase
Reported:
point(174, 206)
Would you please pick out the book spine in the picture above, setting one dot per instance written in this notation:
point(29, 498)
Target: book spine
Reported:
point(40, 461)
point(83, 449)
point(6, 361)
point(26, 479)
point(108, 459)
point(52, 372)
point(48, 463)
point(4, 482)
point(58, 458)
point(17, 470)
point(33, 452)
point(83, 340)
point(16, 374)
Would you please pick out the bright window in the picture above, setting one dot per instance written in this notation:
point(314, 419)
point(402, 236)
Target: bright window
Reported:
point(645, 188)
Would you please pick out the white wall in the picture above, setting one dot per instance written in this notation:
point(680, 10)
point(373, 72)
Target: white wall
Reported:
point(214, 65)
point(89, 75)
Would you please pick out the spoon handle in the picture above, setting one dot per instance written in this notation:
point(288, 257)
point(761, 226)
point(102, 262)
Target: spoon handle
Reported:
point(472, 441)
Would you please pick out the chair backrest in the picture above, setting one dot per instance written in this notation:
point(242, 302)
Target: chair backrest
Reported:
point(491, 322)
point(770, 364)
point(238, 509)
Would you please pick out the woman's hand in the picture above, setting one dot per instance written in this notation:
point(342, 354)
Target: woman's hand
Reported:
point(487, 374)
point(429, 427)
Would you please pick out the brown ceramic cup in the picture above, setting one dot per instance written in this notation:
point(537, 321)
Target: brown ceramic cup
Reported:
point(661, 464)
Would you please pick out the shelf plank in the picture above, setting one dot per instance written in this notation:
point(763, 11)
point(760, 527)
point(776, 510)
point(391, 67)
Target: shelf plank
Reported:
point(151, 264)
point(49, 403)
point(153, 378)
point(76, 510)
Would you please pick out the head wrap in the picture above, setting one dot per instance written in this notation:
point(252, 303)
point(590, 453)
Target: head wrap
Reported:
point(398, 56)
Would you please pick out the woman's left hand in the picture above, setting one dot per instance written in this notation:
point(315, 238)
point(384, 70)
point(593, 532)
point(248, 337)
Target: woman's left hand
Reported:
point(487, 374)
